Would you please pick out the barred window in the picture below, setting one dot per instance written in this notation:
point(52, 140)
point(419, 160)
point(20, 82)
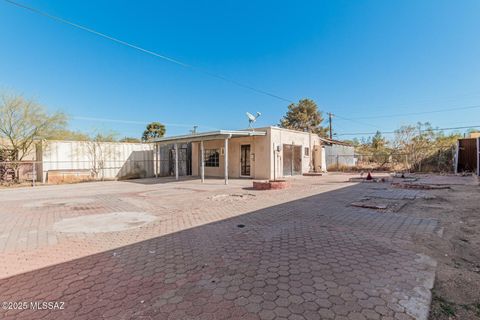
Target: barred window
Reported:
point(212, 158)
point(307, 151)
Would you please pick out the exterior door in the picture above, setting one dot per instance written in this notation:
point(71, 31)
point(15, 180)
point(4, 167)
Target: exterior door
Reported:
point(184, 160)
point(297, 160)
point(292, 160)
point(245, 160)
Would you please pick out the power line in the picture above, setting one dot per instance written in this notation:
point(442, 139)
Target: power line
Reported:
point(205, 71)
point(137, 122)
point(418, 113)
point(161, 56)
point(356, 121)
point(150, 52)
point(390, 132)
point(404, 114)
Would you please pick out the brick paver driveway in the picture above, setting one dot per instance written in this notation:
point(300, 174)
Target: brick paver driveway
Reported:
point(213, 252)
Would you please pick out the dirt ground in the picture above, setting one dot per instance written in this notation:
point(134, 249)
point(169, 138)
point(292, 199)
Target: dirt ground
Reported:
point(456, 294)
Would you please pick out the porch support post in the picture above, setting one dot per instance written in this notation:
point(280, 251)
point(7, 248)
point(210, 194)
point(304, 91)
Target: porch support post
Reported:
point(226, 160)
point(176, 161)
point(478, 156)
point(202, 162)
point(159, 160)
point(155, 160)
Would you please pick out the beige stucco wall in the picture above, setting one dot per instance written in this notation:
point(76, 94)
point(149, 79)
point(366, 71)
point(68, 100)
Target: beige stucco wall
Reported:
point(259, 157)
point(262, 153)
point(280, 136)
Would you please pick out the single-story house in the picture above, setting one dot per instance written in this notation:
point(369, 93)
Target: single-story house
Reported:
point(262, 153)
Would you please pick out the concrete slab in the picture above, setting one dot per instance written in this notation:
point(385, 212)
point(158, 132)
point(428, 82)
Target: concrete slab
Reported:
point(106, 222)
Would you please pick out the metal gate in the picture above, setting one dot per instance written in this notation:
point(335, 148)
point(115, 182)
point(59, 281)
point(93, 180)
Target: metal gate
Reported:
point(167, 160)
point(292, 160)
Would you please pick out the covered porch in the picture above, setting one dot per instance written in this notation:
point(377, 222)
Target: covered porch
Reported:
point(222, 153)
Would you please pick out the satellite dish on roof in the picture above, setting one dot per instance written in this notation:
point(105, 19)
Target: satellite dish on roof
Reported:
point(252, 118)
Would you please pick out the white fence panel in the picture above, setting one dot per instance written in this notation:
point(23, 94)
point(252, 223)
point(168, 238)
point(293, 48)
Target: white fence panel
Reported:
point(105, 160)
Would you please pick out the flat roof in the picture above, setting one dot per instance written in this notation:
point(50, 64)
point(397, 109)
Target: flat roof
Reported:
point(210, 135)
point(331, 141)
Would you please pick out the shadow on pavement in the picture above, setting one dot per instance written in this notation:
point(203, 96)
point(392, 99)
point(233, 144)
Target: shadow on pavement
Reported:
point(312, 258)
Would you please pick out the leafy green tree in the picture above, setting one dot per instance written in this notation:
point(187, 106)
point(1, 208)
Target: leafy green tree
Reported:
point(378, 141)
point(304, 116)
point(153, 130)
point(22, 122)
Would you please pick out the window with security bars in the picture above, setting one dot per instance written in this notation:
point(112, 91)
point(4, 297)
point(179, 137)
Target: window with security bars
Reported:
point(212, 158)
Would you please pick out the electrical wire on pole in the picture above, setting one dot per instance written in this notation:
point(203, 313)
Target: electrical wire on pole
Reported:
point(391, 132)
point(150, 52)
point(330, 124)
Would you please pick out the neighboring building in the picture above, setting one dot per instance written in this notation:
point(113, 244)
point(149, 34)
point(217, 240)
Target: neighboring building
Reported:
point(338, 154)
point(263, 153)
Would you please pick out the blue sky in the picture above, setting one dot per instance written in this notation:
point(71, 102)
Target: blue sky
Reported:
point(356, 59)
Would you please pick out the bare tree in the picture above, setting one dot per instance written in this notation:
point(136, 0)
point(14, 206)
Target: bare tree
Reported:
point(98, 153)
point(416, 143)
point(22, 122)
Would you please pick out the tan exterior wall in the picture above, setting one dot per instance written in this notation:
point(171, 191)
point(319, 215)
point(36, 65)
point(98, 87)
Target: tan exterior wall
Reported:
point(259, 157)
point(280, 136)
point(262, 153)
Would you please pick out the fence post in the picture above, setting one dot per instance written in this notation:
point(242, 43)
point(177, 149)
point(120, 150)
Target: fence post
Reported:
point(34, 173)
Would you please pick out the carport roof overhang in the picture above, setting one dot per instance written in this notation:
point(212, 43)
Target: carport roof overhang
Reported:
point(211, 135)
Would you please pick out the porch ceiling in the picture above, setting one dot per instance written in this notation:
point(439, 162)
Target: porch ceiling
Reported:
point(211, 135)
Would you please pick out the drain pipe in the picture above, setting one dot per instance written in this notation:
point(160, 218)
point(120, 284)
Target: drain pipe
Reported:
point(274, 163)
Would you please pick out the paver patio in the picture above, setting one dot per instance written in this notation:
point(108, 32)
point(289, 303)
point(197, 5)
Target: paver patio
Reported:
point(213, 252)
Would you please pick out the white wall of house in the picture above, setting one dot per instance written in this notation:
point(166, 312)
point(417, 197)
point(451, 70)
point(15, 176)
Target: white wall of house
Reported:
point(113, 160)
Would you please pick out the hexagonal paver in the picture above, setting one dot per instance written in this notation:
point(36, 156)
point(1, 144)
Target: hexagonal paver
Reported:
point(311, 257)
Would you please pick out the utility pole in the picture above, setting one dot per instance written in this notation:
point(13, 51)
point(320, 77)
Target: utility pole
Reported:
point(330, 123)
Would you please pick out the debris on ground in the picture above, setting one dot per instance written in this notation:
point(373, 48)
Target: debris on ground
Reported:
point(418, 186)
point(396, 194)
point(369, 205)
point(233, 196)
point(378, 180)
point(385, 205)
